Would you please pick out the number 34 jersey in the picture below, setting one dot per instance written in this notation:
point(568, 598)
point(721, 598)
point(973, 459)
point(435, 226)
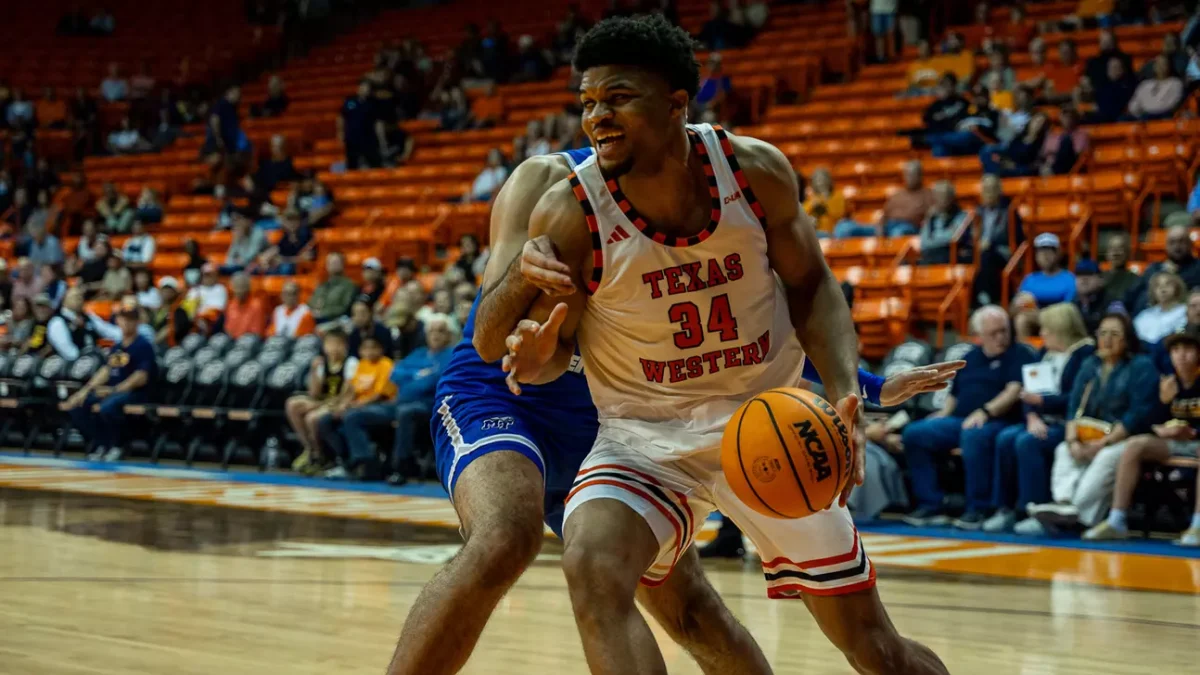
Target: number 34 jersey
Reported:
point(678, 332)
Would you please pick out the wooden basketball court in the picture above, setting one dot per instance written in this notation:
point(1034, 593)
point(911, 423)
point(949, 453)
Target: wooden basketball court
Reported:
point(97, 585)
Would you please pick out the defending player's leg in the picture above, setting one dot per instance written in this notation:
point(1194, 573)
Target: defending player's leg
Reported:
point(691, 611)
point(858, 625)
point(497, 498)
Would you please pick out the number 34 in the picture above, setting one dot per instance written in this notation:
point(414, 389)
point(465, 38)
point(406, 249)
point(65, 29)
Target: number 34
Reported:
point(691, 333)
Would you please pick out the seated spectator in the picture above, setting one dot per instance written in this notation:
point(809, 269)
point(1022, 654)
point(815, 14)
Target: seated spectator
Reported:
point(826, 205)
point(1176, 57)
point(16, 324)
point(928, 69)
point(277, 99)
point(51, 111)
point(1063, 147)
point(38, 245)
point(1112, 92)
point(1179, 399)
point(144, 291)
point(207, 300)
point(20, 211)
point(114, 88)
point(20, 112)
point(296, 245)
point(994, 248)
point(999, 76)
point(149, 210)
point(363, 325)
point(91, 271)
point(85, 250)
point(408, 333)
point(1179, 261)
point(1089, 294)
point(331, 300)
point(1019, 156)
point(945, 112)
point(1113, 398)
point(371, 389)
point(1014, 121)
point(471, 260)
point(406, 269)
point(117, 281)
point(65, 332)
point(983, 402)
point(277, 168)
point(139, 247)
point(1016, 34)
point(115, 209)
point(313, 199)
point(126, 378)
point(978, 126)
point(75, 200)
point(1024, 452)
point(28, 281)
point(1167, 314)
point(170, 320)
point(1119, 279)
point(941, 225)
point(490, 178)
point(902, 213)
point(1051, 284)
point(247, 244)
point(195, 262)
point(373, 283)
point(83, 120)
point(292, 318)
point(246, 313)
point(141, 85)
point(721, 32)
point(1101, 63)
point(715, 86)
point(571, 136)
point(1157, 98)
point(329, 376)
point(1057, 82)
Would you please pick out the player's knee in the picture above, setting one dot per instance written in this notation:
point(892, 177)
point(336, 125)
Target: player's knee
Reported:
point(502, 551)
point(600, 571)
point(878, 650)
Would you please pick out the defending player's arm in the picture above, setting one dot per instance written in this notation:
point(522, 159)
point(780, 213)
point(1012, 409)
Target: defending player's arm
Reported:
point(900, 387)
point(506, 298)
point(818, 308)
point(541, 348)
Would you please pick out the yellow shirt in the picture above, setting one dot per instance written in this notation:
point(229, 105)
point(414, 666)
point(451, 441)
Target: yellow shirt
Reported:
point(827, 212)
point(373, 380)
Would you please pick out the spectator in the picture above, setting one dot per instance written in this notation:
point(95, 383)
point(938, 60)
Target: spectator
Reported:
point(490, 178)
point(115, 209)
point(28, 282)
point(223, 135)
point(332, 298)
point(103, 23)
point(1089, 294)
point(296, 245)
point(277, 99)
point(1057, 82)
point(291, 317)
point(994, 249)
point(125, 379)
point(1101, 63)
point(1179, 261)
point(999, 76)
point(356, 130)
point(373, 283)
point(883, 27)
point(406, 269)
point(1112, 92)
point(982, 403)
point(1113, 398)
point(572, 136)
point(247, 244)
point(471, 260)
point(51, 111)
point(139, 247)
point(408, 333)
point(928, 69)
point(246, 313)
point(1016, 34)
point(1024, 452)
point(55, 285)
point(277, 168)
point(91, 271)
point(1051, 284)
point(946, 111)
point(1178, 394)
point(1014, 122)
point(1157, 98)
point(329, 376)
point(195, 262)
point(1167, 314)
point(1063, 147)
point(826, 205)
point(977, 126)
point(40, 247)
point(208, 299)
point(18, 323)
point(532, 63)
point(1177, 59)
point(144, 291)
point(149, 210)
point(85, 250)
point(21, 209)
point(906, 209)
point(114, 88)
point(941, 225)
point(170, 320)
point(117, 281)
point(1019, 156)
point(715, 86)
point(141, 85)
point(83, 121)
point(363, 325)
point(370, 386)
point(21, 112)
point(1119, 279)
point(313, 199)
point(65, 332)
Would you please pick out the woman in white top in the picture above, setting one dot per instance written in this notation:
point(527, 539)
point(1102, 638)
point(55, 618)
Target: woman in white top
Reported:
point(1168, 314)
point(489, 180)
point(143, 288)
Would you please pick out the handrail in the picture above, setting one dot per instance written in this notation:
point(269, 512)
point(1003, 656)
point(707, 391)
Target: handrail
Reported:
point(951, 298)
point(1085, 219)
point(1013, 207)
point(1136, 213)
point(903, 254)
point(1009, 267)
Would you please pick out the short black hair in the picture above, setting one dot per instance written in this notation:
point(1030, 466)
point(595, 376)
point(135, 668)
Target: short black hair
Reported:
point(336, 334)
point(647, 41)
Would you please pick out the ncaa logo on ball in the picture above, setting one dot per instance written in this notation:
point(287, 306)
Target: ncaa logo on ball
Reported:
point(765, 469)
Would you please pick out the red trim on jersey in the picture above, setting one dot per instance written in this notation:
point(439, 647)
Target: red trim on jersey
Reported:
point(593, 225)
point(817, 562)
point(740, 177)
point(777, 592)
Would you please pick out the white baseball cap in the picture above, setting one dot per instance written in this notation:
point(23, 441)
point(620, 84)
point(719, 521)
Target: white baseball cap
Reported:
point(372, 264)
point(1046, 240)
point(168, 282)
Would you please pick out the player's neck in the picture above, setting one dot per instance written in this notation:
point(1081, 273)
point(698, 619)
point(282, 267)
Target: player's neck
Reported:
point(666, 193)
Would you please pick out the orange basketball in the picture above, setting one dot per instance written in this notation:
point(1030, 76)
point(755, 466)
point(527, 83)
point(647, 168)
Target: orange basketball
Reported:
point(786, 453)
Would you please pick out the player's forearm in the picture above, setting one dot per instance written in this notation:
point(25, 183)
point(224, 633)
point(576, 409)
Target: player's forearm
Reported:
point(500, 308)
point(826, 331)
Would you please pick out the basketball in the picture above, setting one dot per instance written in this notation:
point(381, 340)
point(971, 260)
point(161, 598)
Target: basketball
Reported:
point(786, 453)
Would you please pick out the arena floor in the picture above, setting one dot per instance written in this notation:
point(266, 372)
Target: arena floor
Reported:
point(147, 571)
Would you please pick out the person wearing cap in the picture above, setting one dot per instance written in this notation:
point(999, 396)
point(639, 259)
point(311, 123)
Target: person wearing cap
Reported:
point(1089, 293)
point(1167, 314)
point(296, 245)
point(1051, 284)
point(170, 321)
point(64, 332)
point(246, 313)
point(1177, 436)
point(332, 298)
point(372, 280)
point(125, 378)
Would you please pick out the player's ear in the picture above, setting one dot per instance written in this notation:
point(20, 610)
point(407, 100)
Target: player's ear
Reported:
point(679, 100)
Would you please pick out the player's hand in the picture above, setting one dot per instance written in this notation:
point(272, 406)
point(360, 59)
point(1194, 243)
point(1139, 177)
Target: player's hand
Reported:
point(541, 267)
point(975, 420)
point(900, 387)
point(530, 347)
point(850, 410)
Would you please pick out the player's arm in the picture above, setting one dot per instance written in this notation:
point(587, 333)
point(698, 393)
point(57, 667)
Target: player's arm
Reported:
point(506, 297)
point(897, 389)
point(541, 347)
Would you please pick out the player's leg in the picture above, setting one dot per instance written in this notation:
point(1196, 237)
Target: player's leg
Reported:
point(496, 483)
point(691, 611)
point(858, 625)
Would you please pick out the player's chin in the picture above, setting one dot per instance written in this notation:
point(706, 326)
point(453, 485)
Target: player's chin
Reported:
point(614, 164)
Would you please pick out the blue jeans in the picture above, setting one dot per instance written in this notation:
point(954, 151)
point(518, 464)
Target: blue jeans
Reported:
point(953, 143)
point(103, 428)
point(286, 269)
point(848, 229)
point(354, 441)
point(1023, 466)
point(412, 423)
point(926, 440)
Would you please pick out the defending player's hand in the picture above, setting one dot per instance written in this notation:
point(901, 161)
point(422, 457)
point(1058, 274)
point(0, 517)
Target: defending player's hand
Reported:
point(850, 410)
point(531, 346)
point(541, 267)
point(900, 387)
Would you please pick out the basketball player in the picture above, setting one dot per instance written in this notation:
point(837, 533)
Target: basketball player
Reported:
point(674, 235)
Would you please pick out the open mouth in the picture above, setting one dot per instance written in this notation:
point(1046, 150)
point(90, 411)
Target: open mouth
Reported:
point(606, 139)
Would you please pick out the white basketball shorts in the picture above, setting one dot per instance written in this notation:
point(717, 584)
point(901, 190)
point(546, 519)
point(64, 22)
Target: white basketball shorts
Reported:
point(821, 554)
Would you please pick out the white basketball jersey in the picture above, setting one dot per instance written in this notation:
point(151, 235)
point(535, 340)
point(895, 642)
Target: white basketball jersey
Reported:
point(678, 332)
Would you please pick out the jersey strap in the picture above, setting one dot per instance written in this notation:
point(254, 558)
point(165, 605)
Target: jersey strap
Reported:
point(739, 176)
point(594, 227)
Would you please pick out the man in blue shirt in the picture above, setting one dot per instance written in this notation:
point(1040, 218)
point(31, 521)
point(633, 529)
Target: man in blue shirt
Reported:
point(1051, 284)
point(416, 377)
point(356, 125)
point(124, 379)
point(982, 402)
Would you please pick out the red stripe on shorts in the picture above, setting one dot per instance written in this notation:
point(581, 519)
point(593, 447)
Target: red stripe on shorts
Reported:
point(661, 509)
point(817, 562)
point(777, 592)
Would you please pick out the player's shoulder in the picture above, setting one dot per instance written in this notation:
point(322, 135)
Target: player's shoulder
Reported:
point(543, 170)
point(767, 169)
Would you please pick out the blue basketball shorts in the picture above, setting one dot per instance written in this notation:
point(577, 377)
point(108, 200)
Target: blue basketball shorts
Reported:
point(466, 427)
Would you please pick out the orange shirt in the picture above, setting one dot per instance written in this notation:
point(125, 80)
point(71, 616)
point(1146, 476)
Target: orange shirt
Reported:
point(246, 316)
point(51, 112)
point(373, 380)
